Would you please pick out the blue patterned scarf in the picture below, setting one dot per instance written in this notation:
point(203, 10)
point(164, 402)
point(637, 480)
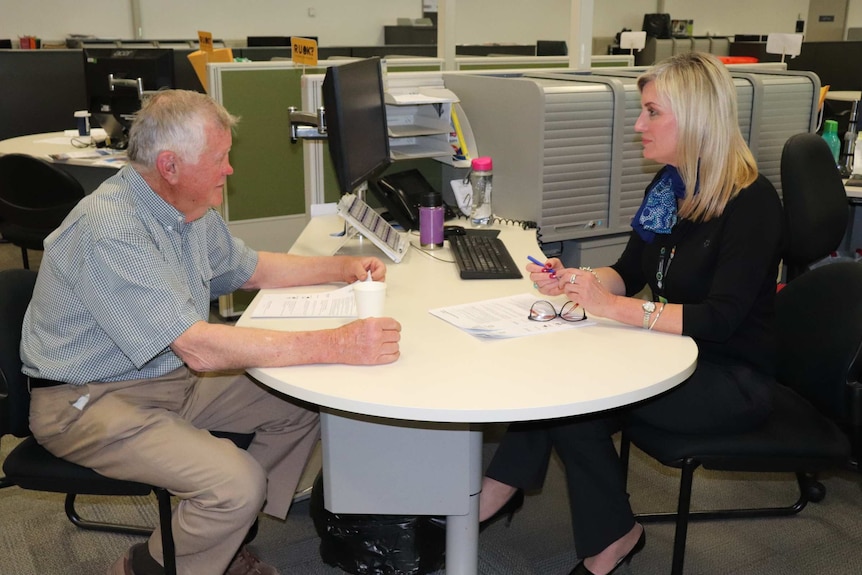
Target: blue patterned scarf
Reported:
point(657, 214)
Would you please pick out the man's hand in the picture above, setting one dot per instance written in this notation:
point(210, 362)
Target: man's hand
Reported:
point(358, 268)
point(371, 341)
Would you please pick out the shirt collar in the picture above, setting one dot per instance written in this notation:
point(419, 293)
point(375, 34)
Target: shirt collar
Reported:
point(163, 212)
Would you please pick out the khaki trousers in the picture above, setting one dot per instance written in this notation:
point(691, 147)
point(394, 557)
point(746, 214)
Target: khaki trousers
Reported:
point(155, 431)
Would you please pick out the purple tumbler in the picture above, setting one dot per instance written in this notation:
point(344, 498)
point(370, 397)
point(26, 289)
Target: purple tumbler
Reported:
point(431, 221)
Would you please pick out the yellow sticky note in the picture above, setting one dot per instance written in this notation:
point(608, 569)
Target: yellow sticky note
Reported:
point(206, 41)
point(303, 51)
point(823, 91)
point(200, 59)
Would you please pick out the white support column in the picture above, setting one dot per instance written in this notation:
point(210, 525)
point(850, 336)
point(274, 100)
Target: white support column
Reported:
point(446, 33)
point(581, 34)
point(137, 28)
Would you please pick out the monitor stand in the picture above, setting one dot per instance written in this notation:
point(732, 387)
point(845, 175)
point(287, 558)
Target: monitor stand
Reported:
point(355, 244)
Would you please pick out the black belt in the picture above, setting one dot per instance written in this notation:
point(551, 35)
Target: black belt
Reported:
point(36, 383)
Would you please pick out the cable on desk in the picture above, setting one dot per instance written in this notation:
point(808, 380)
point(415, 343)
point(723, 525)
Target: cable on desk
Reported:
point(525, 224)
point(429, 253)
point(79, 142)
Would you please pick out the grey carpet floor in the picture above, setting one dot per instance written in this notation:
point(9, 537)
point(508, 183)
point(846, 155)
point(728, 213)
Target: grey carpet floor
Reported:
point(37, 539)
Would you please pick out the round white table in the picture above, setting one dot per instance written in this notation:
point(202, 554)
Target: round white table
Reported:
point(402, 438)
point(84, 163)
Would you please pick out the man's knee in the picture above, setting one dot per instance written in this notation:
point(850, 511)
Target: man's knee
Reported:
point(243, 485)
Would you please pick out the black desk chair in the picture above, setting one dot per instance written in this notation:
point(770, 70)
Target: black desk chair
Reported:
point(819, 330)
point(30, 466)
point(816, 210)
point(35, 196)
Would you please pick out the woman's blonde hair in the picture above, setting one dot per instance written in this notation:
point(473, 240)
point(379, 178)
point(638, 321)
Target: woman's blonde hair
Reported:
point(711, 154)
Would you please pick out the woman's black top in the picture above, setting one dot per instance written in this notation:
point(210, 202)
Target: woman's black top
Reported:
point(724, 272)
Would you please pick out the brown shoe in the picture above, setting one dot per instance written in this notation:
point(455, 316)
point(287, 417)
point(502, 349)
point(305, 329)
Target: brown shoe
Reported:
point(123, 565)
point(138, 554)
point(245, 563)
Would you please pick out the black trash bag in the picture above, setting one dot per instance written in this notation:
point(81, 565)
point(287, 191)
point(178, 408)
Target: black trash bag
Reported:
point(376, 544)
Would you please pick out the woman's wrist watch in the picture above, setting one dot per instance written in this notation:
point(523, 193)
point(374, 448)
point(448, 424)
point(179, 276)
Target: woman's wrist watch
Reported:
point(649, 308)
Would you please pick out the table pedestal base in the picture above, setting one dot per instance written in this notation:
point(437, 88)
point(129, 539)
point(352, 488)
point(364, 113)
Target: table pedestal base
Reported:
point(386, 466)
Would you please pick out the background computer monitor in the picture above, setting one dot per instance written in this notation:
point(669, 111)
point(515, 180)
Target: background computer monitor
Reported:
point(551, 48)
point(355, 112)
point(258, 41)
point(154, 66)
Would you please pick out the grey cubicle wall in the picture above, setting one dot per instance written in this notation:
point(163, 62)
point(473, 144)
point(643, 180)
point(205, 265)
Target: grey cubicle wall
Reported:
point(566, 154)
point(773, 105)
point(785, 103)
point(552, 142)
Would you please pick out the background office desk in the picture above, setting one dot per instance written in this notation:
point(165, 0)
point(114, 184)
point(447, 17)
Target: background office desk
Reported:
point(843, 95)
point(89, 172)
point(398, 439)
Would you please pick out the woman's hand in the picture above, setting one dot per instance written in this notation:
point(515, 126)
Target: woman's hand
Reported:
point(584, 287)
point(545, 278)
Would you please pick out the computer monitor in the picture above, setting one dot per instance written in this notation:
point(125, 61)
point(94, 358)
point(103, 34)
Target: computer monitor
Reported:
point(259, 41)
point(551, 48)
point(117, 79)
point(355, 112)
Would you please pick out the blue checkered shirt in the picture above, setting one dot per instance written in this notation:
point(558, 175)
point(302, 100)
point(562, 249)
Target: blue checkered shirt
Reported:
point(121, 279)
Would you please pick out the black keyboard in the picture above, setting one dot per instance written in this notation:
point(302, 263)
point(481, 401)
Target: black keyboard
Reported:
point(483, 258)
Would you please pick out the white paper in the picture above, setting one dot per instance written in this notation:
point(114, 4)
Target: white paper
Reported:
point(503, 318)
point(632, 40)
point(334, 303)
point(784, 44)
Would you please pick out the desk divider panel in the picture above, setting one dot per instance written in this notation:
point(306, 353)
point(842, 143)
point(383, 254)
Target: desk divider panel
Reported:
point(566, 154)
point(265, 200)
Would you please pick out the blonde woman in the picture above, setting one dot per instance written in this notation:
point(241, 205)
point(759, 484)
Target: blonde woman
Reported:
point(706, 240)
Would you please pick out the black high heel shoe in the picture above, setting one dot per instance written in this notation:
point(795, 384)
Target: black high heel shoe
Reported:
point(580, 569)
point(508, 510)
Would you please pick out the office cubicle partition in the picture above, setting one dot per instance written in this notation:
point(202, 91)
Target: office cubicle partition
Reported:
point(566, 154)
point(265, 200)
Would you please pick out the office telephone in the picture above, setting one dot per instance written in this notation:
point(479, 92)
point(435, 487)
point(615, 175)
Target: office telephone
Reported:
point(400, 192)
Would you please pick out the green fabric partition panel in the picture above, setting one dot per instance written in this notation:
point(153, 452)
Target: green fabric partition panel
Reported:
point(268, 178)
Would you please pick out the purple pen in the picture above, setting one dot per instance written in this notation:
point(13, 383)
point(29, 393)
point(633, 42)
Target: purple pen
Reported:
point(547, 269)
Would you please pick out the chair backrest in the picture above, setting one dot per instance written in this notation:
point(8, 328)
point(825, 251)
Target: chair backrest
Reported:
point(16, 289)
point(35, 194)
point(815, 203)
point(819, 331)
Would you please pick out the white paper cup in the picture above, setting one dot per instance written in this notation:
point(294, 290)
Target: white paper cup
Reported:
point(82, 117)
point(370, 297)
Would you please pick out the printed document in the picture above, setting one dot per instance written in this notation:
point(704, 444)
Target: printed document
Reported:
point(334, 303)
point(503, 317)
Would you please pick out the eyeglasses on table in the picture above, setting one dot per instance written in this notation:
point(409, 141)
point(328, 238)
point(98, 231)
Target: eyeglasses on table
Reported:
point(544, 310)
